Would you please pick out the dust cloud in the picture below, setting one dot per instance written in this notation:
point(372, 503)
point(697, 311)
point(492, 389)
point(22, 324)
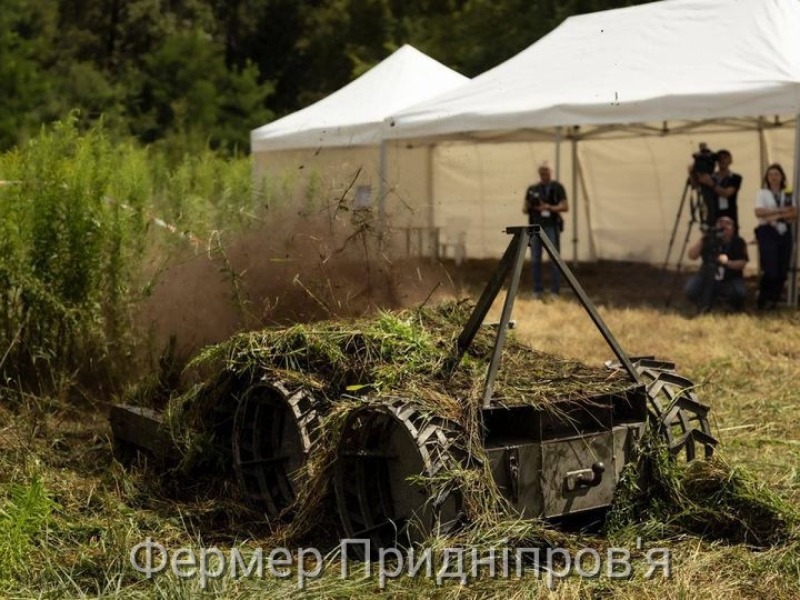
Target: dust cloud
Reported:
point(293, 269)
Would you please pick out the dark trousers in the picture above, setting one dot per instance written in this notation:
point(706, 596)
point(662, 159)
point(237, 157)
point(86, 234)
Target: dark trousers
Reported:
point(733, 291)
point(551, 231)
point(774, 254)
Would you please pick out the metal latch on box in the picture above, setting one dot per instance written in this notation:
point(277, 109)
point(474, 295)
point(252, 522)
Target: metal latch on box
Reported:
point(585, 478)
point(512, 470)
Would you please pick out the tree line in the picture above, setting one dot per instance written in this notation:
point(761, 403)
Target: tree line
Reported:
point(187, 74)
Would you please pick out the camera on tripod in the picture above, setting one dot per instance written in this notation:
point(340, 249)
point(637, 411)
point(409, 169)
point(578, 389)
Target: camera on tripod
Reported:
point(705, 161)
point(700, 191)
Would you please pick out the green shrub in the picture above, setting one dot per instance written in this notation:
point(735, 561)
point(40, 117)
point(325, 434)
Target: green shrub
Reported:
point(70, 224)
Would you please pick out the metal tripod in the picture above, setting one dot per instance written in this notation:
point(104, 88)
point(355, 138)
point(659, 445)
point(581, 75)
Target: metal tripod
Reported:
point(698, 213)
point(511, 265)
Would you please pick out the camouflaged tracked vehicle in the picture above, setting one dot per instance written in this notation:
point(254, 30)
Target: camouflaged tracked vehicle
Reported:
point(407, 420)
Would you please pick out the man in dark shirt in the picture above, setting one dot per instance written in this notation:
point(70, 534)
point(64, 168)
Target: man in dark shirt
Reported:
point(724, 255)
point(724, 184)
point(544, 203)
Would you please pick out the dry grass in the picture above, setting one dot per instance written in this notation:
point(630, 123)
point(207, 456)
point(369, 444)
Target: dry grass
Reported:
point(91, 512)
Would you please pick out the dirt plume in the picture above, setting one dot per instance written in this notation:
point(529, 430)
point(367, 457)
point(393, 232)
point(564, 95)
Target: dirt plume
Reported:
point(292, 269)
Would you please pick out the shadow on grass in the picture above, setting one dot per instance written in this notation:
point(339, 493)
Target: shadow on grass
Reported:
point(610, 283)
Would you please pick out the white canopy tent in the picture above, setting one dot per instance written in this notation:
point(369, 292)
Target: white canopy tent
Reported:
point(353, 115)
point(675, 59)
point(634, 91)
point(334, 146)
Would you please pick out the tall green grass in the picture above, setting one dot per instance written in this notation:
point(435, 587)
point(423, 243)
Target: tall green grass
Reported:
point(24, 517)
point(78, 212)
point(203, 193)
point(70, 223)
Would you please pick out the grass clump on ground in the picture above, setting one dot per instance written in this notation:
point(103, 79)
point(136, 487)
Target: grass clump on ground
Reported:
point(710, 498)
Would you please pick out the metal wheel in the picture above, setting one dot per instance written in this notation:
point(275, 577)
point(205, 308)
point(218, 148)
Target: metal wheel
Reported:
point(272, 434)
point(679, 417)
point(383, 449)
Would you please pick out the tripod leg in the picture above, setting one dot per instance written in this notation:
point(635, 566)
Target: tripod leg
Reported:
point(686, 189)
point(679, 264)
point(692, 220)
point(708, 277)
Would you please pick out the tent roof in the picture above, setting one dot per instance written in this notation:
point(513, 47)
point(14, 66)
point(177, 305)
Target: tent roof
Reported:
point(354, 115)
point(674, 59)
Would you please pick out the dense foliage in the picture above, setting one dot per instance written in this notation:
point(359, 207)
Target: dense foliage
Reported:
point(187, 73)
point(77, 218)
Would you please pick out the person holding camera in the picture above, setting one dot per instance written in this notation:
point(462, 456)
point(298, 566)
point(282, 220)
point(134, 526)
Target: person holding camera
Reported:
point(544, 203)
point(724, 186)
point(721, 276)
point(718, 189)
point(775, 210)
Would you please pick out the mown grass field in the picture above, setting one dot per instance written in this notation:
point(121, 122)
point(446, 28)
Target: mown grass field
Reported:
point(71, 514)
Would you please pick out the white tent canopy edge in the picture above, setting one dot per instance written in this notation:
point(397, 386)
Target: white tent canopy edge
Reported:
point(334, 147)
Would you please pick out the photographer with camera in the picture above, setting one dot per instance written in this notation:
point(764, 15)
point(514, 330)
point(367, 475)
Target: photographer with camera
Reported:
point(719, 189)
point(724, 184)
point(544, 203)
point(724, 256)
point(775, 210)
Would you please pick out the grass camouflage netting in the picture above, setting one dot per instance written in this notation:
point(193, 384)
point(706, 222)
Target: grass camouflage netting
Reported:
point(406, 353)
point(347, 365)
point(710, 498)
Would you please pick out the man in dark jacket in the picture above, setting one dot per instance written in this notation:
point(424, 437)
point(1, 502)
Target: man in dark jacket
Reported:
point(544, 203)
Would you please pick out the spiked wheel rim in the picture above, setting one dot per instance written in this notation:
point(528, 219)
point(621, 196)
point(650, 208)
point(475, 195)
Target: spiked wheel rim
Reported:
point(382, 449)
point(272, 435)
point(677, 413)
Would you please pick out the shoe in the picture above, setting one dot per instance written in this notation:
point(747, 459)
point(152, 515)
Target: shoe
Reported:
point(766, 306)
point(537, 295)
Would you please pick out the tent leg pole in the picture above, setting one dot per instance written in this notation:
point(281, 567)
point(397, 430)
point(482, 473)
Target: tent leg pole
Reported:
point(381, 194)
point(558, 154)
point(762, 146)
point(592, 249)
point(431, 206)
point(575, 201)
point(792, 296)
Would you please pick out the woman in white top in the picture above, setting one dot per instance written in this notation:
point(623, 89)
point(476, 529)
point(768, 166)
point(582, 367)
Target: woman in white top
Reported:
point(775, 209)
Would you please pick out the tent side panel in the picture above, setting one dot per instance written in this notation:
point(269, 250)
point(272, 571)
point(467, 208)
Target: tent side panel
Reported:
point(637, 185)
point(339, 182)
point(479, 190)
